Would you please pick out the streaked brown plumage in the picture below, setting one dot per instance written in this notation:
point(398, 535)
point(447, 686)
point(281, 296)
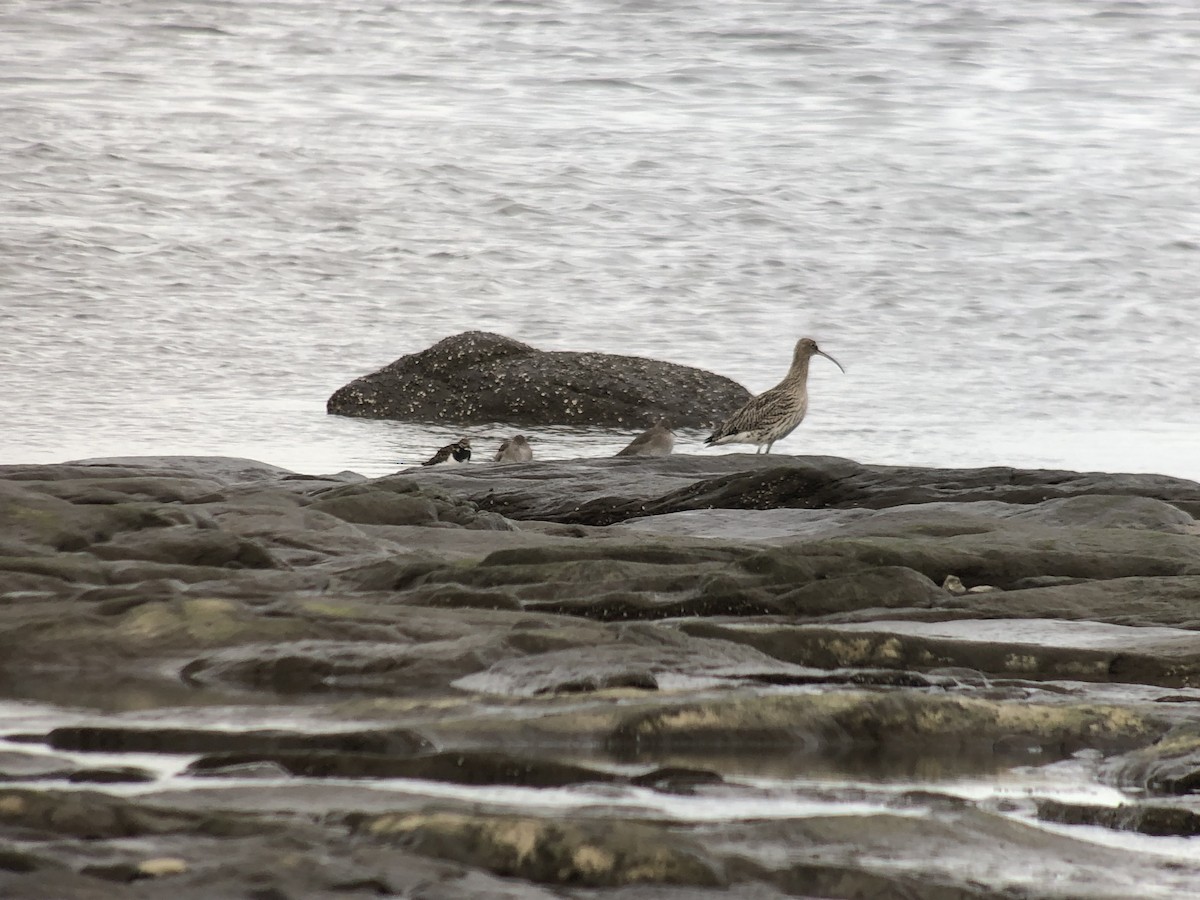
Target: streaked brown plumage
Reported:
point(775, 413)
point(515, 449)
point(659, 440)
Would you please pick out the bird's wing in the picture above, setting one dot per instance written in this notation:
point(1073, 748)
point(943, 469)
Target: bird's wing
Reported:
point(439, 457)
point(636, 444)
point(749, 416)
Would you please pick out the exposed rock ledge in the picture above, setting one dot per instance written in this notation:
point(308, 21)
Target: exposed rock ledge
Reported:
point(327, 686)
point(478, 377)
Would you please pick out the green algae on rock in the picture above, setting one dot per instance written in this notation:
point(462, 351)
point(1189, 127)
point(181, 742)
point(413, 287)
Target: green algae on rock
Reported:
point(578, 853)
point(893, 720)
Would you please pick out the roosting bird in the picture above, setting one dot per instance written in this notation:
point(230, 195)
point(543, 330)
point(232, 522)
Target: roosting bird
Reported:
point(459, 452)
point(775, 413)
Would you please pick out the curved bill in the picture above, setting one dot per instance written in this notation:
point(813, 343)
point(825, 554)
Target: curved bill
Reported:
point(831, 359)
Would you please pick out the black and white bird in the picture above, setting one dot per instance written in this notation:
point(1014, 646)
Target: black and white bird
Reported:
point(775, 413)
point(659, 440)
point(514, 450)
point(459, 452)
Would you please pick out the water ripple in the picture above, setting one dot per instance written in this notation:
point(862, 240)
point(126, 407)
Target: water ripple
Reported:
point(222, 213)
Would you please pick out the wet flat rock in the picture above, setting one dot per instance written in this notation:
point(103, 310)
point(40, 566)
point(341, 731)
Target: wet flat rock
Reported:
point(1144, 818)
point(949, 849)
point(452, 683)
point(477, 377)
point(1027, 648)
point(607, 491)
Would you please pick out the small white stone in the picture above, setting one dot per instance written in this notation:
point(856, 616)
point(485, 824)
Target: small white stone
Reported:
point(954, 585)
point(162, 866)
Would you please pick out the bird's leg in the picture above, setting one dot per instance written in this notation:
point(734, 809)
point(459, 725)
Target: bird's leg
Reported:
point(769, 446)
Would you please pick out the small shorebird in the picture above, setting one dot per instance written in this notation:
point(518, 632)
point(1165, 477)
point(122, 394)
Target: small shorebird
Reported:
point(775, 413)
point(516, 449)
point(459, 452)
point(656, 441)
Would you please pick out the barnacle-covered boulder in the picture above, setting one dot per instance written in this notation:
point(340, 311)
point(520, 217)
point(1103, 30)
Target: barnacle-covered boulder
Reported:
point(478, 377)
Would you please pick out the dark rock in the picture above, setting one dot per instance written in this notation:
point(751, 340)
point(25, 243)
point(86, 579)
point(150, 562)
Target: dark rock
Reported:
point(112, 775)
point(456, 767)
point(676, 779)
point(112, 600)
point(628, 606)
point(1170, 765)
point(120, 487)
point(453, 596)
point(120, 872)
point(1097, 510)
point(1034, 649)
point(819, 484)
point(401, 501)
point(17, 766)
point(55, 574)
point(1044, 581)
point(115, 739)
point(842, 880)
point(379, 507)
point(883, 587)
point(637, 681)
point(639, 658)
point(264, 769)
point(613, 582)
point(478, 377)
point(855, 677)
point(368, 886)
point(33, 519)
point(1144, 818)
point(804, 645)
point(356, 666)
point(270, 893)
point(606, 491)
point(224, 469)
point(1002, 557)
point(658, 555)
point(1139, 601)
point(88, 815)
point(14, 860)
point(189, 546)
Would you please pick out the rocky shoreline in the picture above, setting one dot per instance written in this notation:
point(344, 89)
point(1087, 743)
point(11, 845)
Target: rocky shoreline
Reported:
point(684, 677)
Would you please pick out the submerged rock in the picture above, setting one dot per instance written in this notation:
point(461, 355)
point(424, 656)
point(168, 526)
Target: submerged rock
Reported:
point(1145, 818)
point(478, 377)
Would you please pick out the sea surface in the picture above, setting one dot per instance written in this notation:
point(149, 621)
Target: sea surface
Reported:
point(213, 214)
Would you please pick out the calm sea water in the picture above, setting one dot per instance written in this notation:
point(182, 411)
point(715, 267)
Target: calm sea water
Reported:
point(213, 214)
